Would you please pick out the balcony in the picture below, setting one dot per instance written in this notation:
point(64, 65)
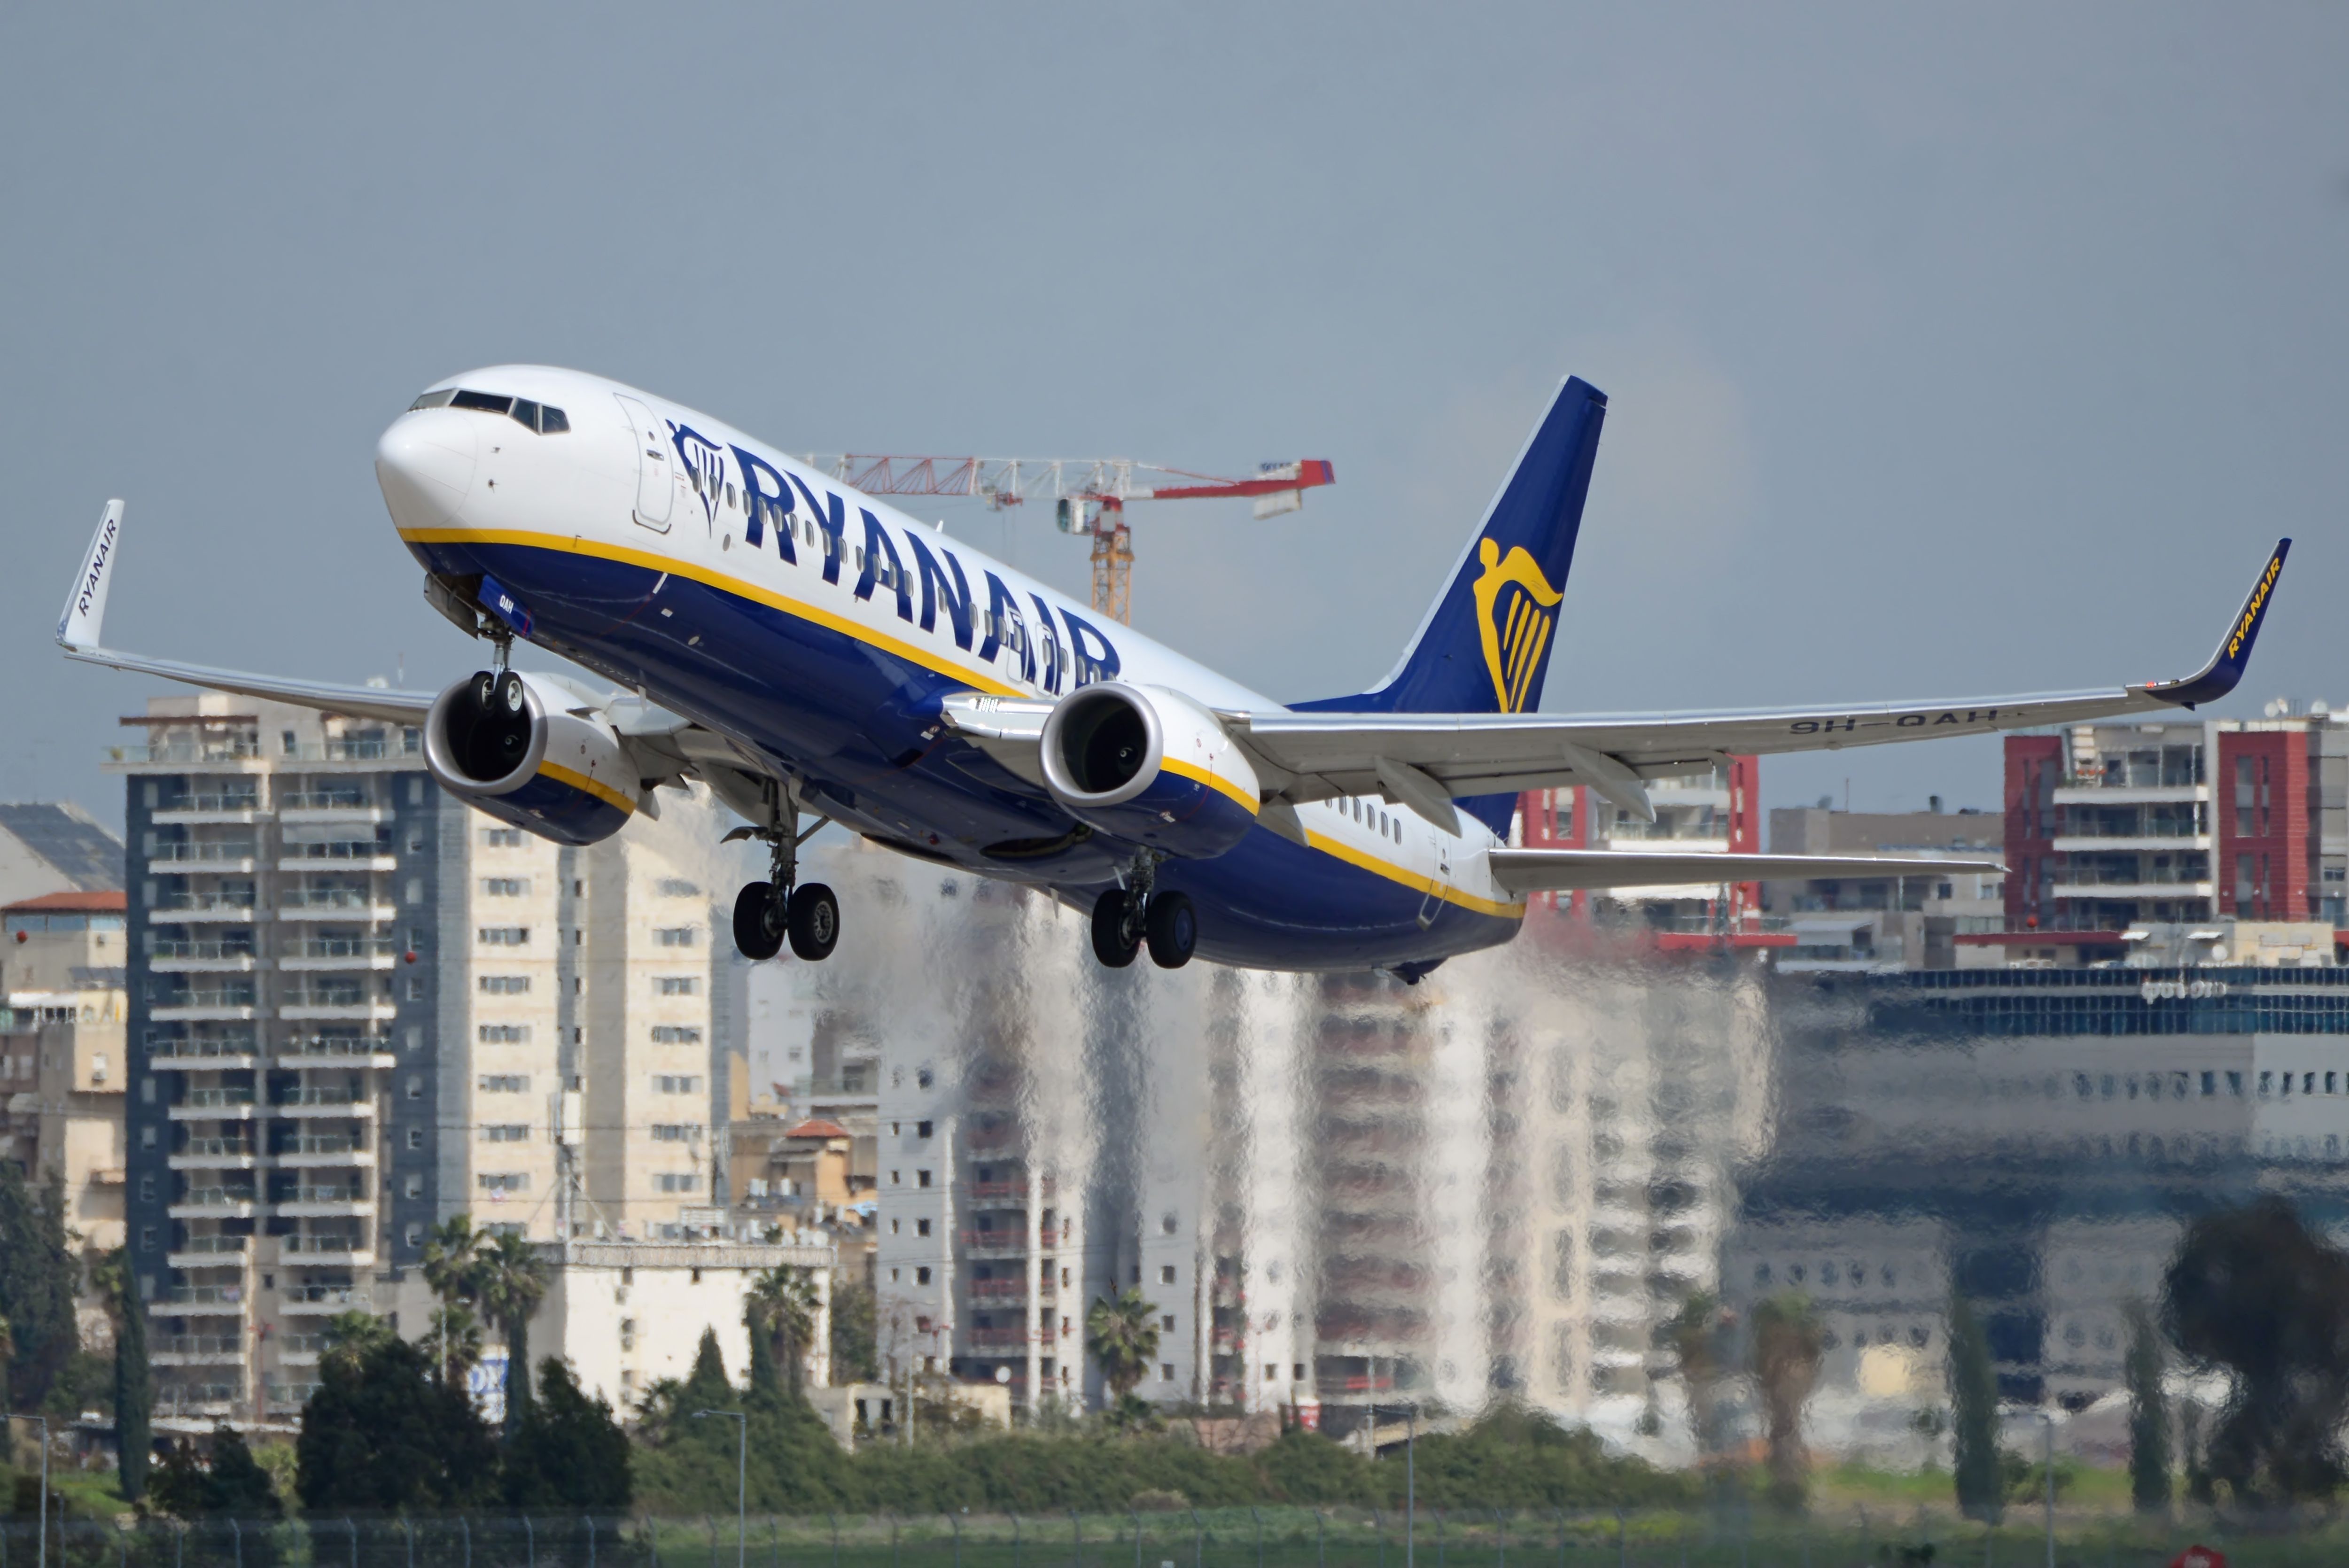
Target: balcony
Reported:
point(995, 1243)
point(198, 1350)
point(330, 1102)
point(993, 1291)
point(209, 1252)
point(210, 751)
point(203, 1005)
point(178, 860)
point(202, 958)
point(329, 1203)
point(215, 1105)
point(336, 1007)
point(1003, 1338)
point(356, 1252)
point(202, 1055)
point(335, 904)
point(340, 854)
point(324, 1300)
point(198, 1301)
point(193, 1401)
point(314, 1150)
point(190, 908)
point(2079, 792)
point(314, 953)
point(336, 1051)
point(213, 1154)
point(239, 805)
point(370, 746)
point(298, 806)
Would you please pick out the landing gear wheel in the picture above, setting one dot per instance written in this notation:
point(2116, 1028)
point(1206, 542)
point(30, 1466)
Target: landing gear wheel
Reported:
point(1172, 927)
point(758, 921)
point(1115, 941)
point(814, 922)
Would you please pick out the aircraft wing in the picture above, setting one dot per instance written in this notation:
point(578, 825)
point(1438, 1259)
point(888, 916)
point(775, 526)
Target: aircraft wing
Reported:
point(1561, 871)
point(1424, 761)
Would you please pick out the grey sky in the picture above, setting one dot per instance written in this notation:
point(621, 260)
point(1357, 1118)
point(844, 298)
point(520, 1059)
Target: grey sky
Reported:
point(1950, 351)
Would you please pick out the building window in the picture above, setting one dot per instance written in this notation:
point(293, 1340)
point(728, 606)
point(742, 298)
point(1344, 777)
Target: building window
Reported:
point(146, 1238)
point(415, 1235)
point(676, 935)
point(505, 985)
point(676, 887)
point(504, 887)
point(503, 1182)
point(1167, 1323)
point(501, 838)
point(677, 1132)
point(413, 1187)
point(627, 1333)
point(921, 1276)
point(921, 1178)
point(503, 1083)
point(504, 935)
point(416, 1138)
point(1166, 1372)
point(676, 1083)
point(505, 1132)
point(921, 1227)
point(921, 1129)
point(676, 1035)
point(503, 1033)
point(1168, 1224)
point(689, 1181)
point(1166, 1273)
point(680, 985)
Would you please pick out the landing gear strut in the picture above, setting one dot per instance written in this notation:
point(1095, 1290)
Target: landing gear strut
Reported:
point(1127, 918)
point(767, 913)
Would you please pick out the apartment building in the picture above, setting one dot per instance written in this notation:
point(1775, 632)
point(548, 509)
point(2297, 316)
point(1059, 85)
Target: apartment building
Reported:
point(62, 1052)
point(2118, 827)
point(1858, 924)
point(356, 1007)
point(1717, 809)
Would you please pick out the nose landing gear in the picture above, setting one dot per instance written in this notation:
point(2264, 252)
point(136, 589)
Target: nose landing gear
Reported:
point(767, 913)
point(1127, 918)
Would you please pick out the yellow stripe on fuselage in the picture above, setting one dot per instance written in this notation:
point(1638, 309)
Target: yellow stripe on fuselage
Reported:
point(1416, 881)
point(726, 582)
point(579, 781)
point(1199, 775)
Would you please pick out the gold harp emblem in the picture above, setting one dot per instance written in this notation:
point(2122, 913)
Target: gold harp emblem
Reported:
point(1514, 605)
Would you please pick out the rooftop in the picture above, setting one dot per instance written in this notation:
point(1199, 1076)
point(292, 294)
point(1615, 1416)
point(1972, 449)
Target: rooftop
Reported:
point(82, 852)
point(104, 901)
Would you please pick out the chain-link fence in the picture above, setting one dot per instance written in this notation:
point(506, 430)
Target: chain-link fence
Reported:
point(1262, 1537)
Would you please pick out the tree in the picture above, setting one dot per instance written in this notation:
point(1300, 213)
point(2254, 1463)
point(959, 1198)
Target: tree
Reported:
point(570, 1452)
point(2148, 1415)
point(856, 1335)
point(453, 1342)
point(38, 1274)
point(1973, 1404)
point(349, 1335)
point(383, 1433)
point(226, 1481)
point(782, 1308)
point(1121, 1336)
point(134, 1387)
point(510, 1279)
point(2252, 1291)
point(1785, 1350)
point(450, 1253)
point(1698, 1335)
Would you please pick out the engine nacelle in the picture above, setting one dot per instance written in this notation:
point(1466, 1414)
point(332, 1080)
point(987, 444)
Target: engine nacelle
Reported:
point(1150, 766)
point(515, 747)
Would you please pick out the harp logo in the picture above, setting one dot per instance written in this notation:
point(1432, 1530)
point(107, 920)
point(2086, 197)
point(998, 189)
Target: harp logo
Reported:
point(1515, 610)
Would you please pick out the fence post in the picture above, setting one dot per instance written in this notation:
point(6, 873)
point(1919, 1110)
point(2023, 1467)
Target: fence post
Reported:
point(956, 1525)
point(179, 1547)
point(893, 1537)
point(1258, 1519)
point(1015, 1539)
point(775, 1543)
point(1321, 1557)
point(1557, 1517)
point(1379, 1530)
point(528, 1542)
point(712, 1526)
point(1077, 1529)
point(465, 1530)
point(355, 1540)
point(835, 1537)
point(409, 1526)
point(1501, 1553)
point(1137, 1514)
point(589, 1520)
point(236, 1535)
point(1198, 1547)
point(1439, 1537)
point(1623, 1542)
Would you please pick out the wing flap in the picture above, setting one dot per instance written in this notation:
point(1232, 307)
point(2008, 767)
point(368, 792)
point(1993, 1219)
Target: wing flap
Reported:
point(1564, 871)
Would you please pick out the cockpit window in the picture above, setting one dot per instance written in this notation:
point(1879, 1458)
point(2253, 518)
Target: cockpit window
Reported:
point(539, 417)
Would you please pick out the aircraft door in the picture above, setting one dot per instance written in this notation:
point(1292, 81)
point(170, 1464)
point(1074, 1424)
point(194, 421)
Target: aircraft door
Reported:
point(655, 490)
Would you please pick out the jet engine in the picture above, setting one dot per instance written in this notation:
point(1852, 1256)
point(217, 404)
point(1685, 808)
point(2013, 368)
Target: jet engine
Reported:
point(526, 751)
point(1149, 766)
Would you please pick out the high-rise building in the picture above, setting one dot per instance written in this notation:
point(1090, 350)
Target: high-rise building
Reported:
point(357, 1007)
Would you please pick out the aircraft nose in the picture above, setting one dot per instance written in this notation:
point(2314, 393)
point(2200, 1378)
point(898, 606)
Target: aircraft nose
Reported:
point(424, 464)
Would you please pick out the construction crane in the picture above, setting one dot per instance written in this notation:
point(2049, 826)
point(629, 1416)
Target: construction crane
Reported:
point(1089, 496)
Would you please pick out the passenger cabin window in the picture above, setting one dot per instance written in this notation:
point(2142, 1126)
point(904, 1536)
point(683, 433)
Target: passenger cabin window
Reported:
point(539, 417)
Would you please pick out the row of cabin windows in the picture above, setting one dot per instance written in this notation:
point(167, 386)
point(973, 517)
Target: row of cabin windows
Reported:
point(1370, 816)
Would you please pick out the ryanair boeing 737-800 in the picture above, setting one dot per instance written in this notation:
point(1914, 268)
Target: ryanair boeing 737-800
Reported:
point(813, 655)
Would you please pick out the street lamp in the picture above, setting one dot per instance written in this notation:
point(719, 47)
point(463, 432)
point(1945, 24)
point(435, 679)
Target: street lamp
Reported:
point(742, 1481)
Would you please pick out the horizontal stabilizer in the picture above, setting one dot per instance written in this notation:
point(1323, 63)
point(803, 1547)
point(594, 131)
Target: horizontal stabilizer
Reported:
point(1563, 870)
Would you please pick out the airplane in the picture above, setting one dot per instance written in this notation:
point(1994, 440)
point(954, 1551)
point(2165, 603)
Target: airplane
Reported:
point(812, 655)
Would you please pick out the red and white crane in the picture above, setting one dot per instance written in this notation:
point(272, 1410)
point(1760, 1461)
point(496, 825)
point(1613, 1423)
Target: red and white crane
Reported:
point(1089, 496)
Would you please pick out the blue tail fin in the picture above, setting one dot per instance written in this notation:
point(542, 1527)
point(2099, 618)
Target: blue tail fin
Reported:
point(1484, 646)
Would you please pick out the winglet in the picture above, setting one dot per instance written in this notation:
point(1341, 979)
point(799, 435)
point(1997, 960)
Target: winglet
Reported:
point(2218, 677)
point(84, 611)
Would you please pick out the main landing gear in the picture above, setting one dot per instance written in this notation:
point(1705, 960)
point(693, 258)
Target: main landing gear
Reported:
point(767, 913)
point(1128, 918)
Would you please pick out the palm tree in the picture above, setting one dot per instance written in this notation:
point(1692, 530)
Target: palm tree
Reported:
point(1121, 1335)
point(452, 1337)
point(1786, 1348)
point(451, 1252)
point(783, 1303)
point(349, 1335)
point(509, 1279)
point(1695, 1336)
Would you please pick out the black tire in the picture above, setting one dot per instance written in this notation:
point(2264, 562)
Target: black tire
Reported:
point(758, 922)
point(1172, 927)
point(1115, 942)
point(814, 922)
